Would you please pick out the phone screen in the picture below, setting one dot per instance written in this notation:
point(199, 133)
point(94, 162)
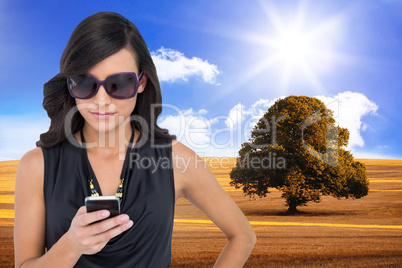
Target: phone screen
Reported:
point(111, 203)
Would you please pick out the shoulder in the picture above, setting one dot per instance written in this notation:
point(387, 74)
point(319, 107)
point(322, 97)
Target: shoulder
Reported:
point(189, 169)
point(179, 148)
point(32, 160)
point(182, 154)
point(30, 172)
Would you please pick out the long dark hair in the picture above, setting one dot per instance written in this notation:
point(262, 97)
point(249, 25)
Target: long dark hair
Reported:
point(96, 38)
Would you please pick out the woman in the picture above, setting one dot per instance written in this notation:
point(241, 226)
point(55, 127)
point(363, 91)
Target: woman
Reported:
point(107, 93)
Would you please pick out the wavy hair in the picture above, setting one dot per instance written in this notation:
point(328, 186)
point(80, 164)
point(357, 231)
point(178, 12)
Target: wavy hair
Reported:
point(94, 39)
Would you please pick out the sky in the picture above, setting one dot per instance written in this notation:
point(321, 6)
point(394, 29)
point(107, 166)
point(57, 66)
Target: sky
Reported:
point(221, 65)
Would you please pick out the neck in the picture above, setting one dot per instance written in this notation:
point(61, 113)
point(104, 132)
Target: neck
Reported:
point(109, 142)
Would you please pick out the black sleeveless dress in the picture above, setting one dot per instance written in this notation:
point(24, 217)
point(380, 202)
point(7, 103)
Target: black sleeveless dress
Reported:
point(148, 198)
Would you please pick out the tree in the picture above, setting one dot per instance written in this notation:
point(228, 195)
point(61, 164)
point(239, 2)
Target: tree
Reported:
point(297, 148)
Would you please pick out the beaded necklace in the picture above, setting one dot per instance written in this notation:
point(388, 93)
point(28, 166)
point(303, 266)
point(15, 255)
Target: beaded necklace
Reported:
point(119, 192)
point(92, 188)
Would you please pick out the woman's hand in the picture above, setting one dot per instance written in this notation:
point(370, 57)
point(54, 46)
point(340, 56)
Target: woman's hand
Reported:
point(88, 236)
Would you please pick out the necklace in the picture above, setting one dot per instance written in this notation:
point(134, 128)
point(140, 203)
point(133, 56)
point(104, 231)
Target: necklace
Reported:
point(119, 192)
point(94, 192)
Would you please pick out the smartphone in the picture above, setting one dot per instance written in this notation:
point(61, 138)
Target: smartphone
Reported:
point(111, 203)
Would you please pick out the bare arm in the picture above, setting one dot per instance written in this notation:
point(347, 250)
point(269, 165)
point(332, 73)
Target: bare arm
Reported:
point(198, 185)
point(29, 224)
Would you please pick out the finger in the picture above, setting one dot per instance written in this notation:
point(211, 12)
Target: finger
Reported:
point(81, 210)
point(95, 216)
point(105, 225)
point(109, 234)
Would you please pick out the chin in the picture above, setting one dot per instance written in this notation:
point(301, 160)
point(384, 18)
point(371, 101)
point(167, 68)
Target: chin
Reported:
point(104, 127)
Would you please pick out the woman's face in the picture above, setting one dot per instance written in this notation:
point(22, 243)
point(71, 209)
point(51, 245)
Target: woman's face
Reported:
point(102, 112)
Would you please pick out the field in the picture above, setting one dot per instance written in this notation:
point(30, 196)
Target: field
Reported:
point(365, 232)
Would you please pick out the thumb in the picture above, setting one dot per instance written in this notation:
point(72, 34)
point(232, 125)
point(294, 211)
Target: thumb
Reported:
point(81, 210)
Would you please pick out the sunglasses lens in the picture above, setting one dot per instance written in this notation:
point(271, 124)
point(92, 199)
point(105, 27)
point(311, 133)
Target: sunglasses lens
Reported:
point(82, 86)
point(121, 86)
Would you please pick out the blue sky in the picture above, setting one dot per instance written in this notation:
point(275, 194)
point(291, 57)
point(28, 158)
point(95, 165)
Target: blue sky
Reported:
point(222, 64)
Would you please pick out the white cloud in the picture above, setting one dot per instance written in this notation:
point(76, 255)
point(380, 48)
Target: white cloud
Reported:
point(239, 114)
point(202, 111)
point(19, 134)
point(172, 65)
point(349, 109)
point(193, 129)
point(209, 138)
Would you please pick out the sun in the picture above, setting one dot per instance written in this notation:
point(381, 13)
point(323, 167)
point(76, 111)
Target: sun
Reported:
point(296, 46)
point(293, 48)
point(296, 52)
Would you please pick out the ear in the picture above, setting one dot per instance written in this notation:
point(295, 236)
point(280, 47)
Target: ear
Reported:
point(143, 83)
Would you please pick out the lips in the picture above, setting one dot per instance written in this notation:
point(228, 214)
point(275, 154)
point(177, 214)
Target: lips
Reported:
point(102, 115)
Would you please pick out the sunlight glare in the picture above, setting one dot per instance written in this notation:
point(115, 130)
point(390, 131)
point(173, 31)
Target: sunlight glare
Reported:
point(293, 47)
point(297, 48)
point(302, 47)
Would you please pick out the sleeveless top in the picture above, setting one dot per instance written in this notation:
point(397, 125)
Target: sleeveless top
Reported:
point(148, 198)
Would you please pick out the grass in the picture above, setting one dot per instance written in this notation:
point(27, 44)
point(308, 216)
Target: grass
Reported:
point(363, 232)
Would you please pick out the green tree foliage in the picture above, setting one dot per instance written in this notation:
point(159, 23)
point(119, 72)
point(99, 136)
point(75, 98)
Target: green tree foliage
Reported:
point(297, 148)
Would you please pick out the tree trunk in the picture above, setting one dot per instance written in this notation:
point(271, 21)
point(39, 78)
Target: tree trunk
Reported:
point(292, 208)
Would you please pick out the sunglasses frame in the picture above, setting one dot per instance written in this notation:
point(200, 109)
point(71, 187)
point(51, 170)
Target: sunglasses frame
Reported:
point(103, 83)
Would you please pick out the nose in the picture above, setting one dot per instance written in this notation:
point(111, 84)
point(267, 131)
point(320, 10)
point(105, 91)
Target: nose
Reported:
point(102, 97)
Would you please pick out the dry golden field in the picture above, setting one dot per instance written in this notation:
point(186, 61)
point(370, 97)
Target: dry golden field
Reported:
point(334, 233)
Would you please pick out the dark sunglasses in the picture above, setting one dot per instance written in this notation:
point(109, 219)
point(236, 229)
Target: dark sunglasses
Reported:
point(119, 86)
